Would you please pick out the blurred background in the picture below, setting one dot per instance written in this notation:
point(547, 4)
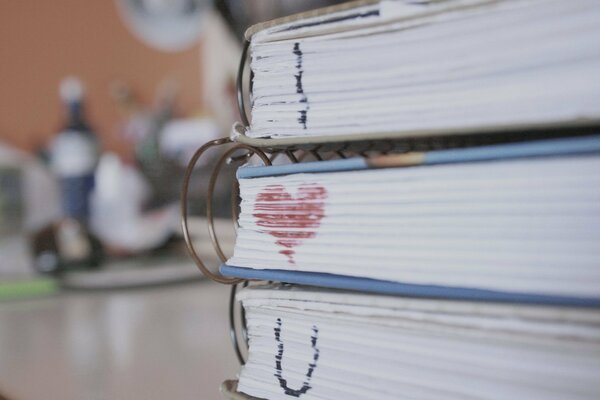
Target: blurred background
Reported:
point(102, 105)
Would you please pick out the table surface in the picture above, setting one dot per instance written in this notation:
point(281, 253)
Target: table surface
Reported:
point(157, 343)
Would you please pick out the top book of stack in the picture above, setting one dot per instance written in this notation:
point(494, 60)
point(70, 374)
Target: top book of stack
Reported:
point(405, 69)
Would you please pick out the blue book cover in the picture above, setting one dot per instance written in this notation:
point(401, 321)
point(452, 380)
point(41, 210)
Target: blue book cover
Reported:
point(274, 226)
point(400, 289)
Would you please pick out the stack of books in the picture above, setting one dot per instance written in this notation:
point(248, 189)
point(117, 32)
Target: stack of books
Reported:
point(454, 272)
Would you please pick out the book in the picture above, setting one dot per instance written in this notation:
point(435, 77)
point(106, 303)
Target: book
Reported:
point(311, 343)
point(514, 222)
point(390, 69)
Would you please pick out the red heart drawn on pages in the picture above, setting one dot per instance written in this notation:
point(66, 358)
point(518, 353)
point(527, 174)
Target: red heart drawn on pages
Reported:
point(290, 219)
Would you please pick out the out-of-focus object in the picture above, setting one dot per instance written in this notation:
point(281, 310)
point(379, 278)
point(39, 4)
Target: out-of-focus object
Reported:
point(74, 153)
point(161, 172)
point(136, 119)
point(29, 200)
point(73, 158)
point(14, 256)
point(19, 289)
point(11, 204)
point(65, 245)
point(167, 25)
point(181, 137)
point(160, 145)
point(219, 56)
point(240, 14)
point(118, 216)
point(167, 265)
point(130, 272)
point(29, 194)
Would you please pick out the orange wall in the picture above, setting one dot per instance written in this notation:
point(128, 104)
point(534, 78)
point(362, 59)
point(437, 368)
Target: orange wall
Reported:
point(42, 41)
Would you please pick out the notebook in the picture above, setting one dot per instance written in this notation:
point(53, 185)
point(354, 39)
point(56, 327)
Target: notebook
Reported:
point(514, 222)
point(315, 344)
point(393, 69)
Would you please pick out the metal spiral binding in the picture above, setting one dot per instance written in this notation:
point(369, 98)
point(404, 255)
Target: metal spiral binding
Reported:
point(209, 206)
point(233, 332)
point(240, 83)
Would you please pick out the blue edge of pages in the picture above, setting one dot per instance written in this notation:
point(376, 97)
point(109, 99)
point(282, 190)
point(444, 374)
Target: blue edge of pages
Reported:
point(400, 289)
point(542, 148)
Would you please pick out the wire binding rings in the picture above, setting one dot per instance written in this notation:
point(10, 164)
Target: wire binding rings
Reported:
point(209, 209)
point(240, 83)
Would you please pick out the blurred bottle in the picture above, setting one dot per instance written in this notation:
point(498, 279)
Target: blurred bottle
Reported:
point(74, 154)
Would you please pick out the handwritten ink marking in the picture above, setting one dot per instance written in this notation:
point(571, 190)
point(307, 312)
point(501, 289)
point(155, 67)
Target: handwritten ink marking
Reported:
point(302, 118)
point(335, 19)
point(299, 87)
point(276, 210)
point(279, 356)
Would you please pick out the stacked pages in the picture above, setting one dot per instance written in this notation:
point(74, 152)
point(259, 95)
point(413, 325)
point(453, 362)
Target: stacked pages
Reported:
point(417, 67)
point(504, 227)
point(313, 344)
point(469, 271)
